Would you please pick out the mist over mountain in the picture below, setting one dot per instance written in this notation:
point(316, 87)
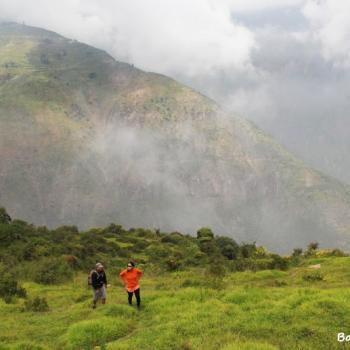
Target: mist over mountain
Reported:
point(88, 140)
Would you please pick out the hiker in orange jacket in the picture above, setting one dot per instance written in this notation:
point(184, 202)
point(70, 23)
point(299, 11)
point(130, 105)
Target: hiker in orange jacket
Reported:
point(131, 277)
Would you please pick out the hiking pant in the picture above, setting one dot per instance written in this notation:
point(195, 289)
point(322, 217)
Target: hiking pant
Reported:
point(99, 293)
point(137, 295)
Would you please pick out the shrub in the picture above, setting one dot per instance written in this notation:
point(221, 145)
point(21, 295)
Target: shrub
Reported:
point(21, 292)
point(297, 252)
point(261, 253)
point(332, 252)
point(313, 246)
point(338, 252)
point(140, 245)
point(311, 249)
point(144, 233)
point(172, 238)
point(228, 247)
point(52, 270)
point(116, 229)
point(279, 262)
point(9, 287)
point(205, 233)
point(71, 260)
point(4, 217)
point(247, 250)
point(313, 276)
point(173, 264)
point(157, 251)
point(36, 305)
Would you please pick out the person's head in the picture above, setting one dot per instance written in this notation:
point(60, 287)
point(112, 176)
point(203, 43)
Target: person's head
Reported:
point(131, 265)
point(99, 267)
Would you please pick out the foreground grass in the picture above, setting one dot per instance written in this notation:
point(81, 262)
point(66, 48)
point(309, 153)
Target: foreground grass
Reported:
point(263, 310)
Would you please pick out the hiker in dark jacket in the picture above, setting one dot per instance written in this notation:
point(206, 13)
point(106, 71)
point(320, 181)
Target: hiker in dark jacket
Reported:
point(99, 284)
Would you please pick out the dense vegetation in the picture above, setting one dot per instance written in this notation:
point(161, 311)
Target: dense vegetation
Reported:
point(203, 292)
point(50, 256)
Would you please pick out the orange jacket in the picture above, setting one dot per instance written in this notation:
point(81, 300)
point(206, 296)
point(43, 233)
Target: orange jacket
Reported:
point(131, 278)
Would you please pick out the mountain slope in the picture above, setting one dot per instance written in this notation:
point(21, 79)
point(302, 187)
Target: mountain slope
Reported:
point(87, 140)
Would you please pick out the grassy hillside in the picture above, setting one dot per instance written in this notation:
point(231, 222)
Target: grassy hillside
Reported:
point(86, 140)
point(197, 293)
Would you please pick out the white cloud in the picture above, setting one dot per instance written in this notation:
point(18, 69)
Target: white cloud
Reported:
point(330, 26)
point(164, 36)
point(257, 5)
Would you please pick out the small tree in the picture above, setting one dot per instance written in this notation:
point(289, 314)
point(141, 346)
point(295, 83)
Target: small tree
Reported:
point(228, 247)
point(206, 233)
point(313, 246)
point(248, 249)
point(311, 249)
point(297, 252)
point(4, 217)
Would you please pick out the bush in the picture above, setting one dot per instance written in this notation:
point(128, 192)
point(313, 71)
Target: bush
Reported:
point(297, 252)
point(71, 260)
point(36, 305)
point(4, 217)
point(247, 250)
point(331, 252)
point(228, 247)
point(140, 245)
point(279, 262)
point(157, 252)
point(173, 264)
point(311, 249)
point(313, 246)
point(173, 238)
point(52, 270)
point(113, 228)
point(313, 276)
point(9, 287)
point(205, 233)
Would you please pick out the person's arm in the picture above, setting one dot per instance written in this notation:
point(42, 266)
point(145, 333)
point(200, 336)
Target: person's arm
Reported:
point(122, 276)
point(124, 279)
point(139, 274)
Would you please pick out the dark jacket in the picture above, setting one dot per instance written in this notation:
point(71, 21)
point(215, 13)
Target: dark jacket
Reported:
point(98, 279)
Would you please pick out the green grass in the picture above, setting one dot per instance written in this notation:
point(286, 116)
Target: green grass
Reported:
point(249, 311)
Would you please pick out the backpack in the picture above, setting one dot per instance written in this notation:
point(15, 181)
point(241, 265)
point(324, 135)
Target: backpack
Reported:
point(89, 279)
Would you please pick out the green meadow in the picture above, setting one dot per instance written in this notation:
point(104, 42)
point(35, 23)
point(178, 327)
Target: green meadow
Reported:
point(198, 292)
point(192, 309)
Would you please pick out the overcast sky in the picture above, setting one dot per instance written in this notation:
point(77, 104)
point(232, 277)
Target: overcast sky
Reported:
point(284, 64)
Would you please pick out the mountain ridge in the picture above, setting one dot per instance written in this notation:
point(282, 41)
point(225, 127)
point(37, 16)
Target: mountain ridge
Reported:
point(87, 140)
